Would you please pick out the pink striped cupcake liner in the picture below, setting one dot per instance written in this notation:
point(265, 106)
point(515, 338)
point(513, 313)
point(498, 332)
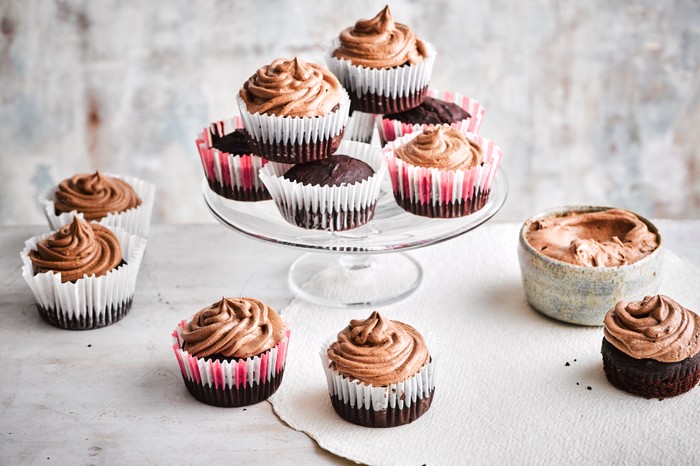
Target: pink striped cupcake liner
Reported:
point(231, 176)
point(238, 382)
point(431, 192)
point(390, 129)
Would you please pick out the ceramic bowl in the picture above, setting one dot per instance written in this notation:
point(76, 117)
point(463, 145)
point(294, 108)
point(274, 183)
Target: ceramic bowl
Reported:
point(582, 295)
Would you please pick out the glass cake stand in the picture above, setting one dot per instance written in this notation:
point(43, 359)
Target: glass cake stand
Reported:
point(344, 269)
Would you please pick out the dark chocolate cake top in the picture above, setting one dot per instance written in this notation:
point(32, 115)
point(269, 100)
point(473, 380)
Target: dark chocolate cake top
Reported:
point(332, 171)
point(235, 143)
point(431, 112)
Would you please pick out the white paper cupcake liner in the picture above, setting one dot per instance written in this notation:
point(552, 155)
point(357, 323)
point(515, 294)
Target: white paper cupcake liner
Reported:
point(231, 176)
point(332, 208)
point(442, 193)
point(396, 395)
point(89, 300)
point(397, 82)
point(391, 129)
point(360, 127)
point(136, 221)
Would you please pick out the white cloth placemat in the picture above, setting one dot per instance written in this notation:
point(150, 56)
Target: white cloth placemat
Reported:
point(504, 392)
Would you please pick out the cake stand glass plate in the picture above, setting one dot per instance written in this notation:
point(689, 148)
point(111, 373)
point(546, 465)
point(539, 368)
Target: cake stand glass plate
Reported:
point(343, 269)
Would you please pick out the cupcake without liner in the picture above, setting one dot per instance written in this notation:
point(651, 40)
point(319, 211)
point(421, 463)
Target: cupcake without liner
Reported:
point(92, 301)
point(442, 193)
point(233, 176)
point(651, 347)
point(229, 382)
point(136, 220)
point(286, 134)
point(384, 399)
point(360, 127)
point(394, 82)
point(391, 128)
point(332, 208)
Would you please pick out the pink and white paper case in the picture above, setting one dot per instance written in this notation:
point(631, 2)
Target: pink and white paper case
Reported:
point(136, 220)
point(231, 176)
point(431, 192)
point(390, 129)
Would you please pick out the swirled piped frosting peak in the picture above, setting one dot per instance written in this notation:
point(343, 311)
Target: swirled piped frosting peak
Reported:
point(378, 351)
point(292, 88)
point(77, 249)
point(380, 43)
point(233, 328)
point(442, 147)
point(606, 238)
point(655, 328)
point(95, 195)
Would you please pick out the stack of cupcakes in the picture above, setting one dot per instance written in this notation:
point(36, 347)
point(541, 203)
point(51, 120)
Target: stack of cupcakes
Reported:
point(83, 274)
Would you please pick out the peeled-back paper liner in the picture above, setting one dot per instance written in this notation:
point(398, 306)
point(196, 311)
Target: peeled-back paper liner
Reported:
point(90, 294)
point(356, 393)
point(136, 220)
point(237, 171)
point(231, 374)
point(392, 129)
point(360, 127)
point(432, 185)
point(289, 194)
point(394, 82)
point(290, 130)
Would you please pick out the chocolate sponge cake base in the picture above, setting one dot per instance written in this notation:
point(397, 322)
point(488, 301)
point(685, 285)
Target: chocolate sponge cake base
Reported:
point(239, 194)
point(390, 417)
point(380, 104)
point(228, 397)
point(647, 377)
point(445, 209)
point(60, 319)
point(297, 152)
point(330, 221)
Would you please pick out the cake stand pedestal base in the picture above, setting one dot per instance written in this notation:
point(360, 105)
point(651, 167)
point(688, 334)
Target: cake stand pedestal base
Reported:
point(354, 280)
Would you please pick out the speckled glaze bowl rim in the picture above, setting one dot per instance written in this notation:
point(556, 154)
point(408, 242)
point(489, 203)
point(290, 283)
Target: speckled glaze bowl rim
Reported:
point(559, 211)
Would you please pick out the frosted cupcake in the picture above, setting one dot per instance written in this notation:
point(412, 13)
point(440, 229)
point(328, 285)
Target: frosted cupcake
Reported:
point(228, 161)
point(83, 276)
point(233, 352)
point(384, 66)
point(379, 372)
point(294, 111)
point(111, 200)
point(442, 172)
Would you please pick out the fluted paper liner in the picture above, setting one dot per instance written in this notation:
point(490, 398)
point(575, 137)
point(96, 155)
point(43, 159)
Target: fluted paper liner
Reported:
point(395, 395)
point(390, 129)
point(90, 297)
point(396, 82)
point(360, 127)
point(291, 196)
point(425, 187)
point(233, 176)
point(136, 220)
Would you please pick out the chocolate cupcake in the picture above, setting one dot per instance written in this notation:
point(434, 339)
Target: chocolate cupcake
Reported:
point(442, 172)
point(232, 353)
point(111, 200)
point(379, 372)
point(294, 111)
point(651, 348)
point(83, 276)
point(384, 66)
point(438, 108)
point(229, 164)
point(336, 194)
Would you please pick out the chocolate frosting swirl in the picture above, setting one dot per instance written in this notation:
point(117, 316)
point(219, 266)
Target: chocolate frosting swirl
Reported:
point(380, 43)
point(233, 328)
point(95, 195)
point(292, 88)
point(78, 249)
point(607, 238)
point(442, 147)
point(378, 351)
point(655, 328)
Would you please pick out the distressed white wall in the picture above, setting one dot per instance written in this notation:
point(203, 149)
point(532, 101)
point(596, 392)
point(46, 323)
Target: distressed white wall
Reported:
point(592, 101)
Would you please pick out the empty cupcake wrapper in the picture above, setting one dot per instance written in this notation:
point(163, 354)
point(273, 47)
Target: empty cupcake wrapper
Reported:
point(136, 220)
point(333, 208)
point(360, 127)
point(92, 301)
point(231, 176)
point(390, 130)
point(231, 383)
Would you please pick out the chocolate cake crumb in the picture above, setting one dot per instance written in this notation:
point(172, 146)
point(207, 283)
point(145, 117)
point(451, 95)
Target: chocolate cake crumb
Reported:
point(589, 388)
point(577, 383)
point(574, 360)
point(89, 346)
point(567, 364)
